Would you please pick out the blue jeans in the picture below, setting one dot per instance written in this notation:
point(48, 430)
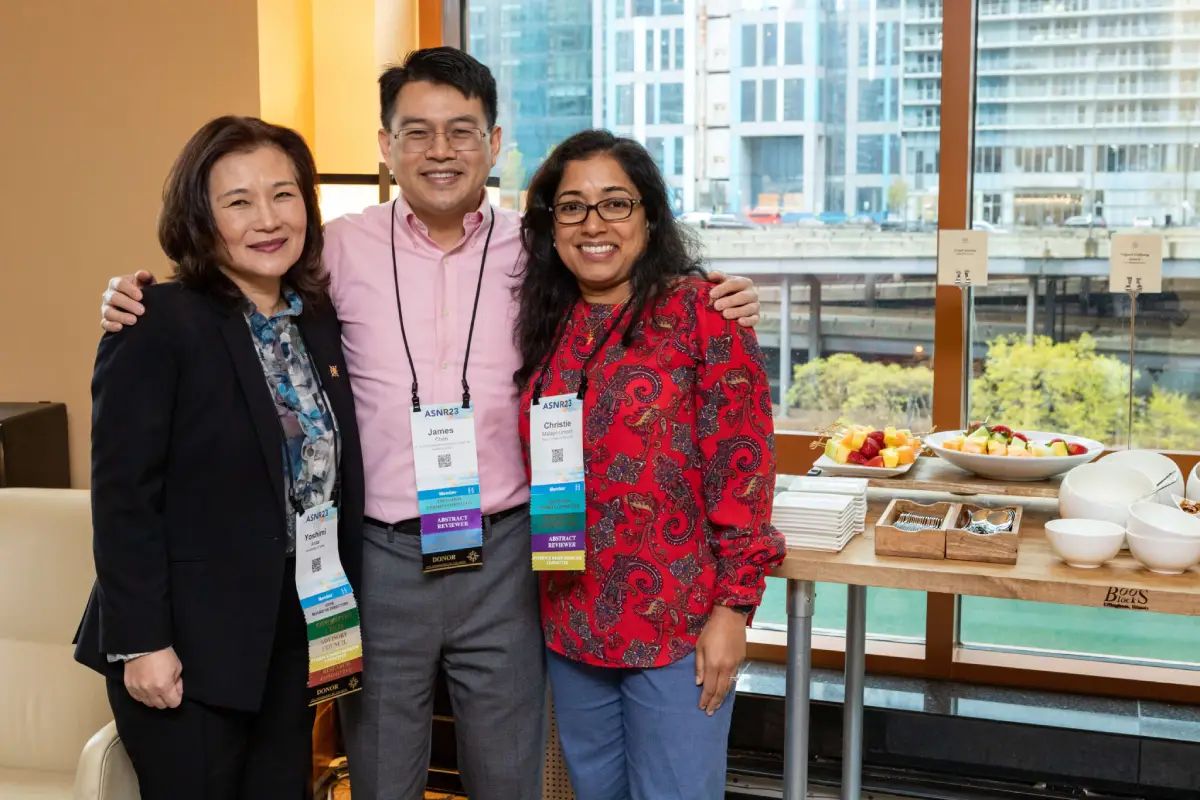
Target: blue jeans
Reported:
point(638, 734)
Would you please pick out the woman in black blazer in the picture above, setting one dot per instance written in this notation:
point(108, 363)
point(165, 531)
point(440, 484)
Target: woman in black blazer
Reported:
point(224, 453)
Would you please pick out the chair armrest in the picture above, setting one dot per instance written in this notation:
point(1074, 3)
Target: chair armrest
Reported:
point(105, 771)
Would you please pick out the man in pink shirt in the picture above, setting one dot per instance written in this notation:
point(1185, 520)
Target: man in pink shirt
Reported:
point(423, 289)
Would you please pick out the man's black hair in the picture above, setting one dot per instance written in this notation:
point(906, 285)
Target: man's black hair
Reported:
point(447, 66)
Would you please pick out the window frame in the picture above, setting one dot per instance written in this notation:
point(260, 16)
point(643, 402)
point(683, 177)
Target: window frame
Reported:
point(941, 656)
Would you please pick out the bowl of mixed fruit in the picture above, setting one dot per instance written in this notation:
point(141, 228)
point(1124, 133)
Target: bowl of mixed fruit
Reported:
point(998, 451)
point(860, 450)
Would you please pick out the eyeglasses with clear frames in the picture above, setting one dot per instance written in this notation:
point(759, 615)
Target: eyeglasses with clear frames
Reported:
point(420, 140)
point(614, 209)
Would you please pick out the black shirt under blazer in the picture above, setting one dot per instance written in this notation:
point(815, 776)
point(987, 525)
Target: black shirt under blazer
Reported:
point(188, 492)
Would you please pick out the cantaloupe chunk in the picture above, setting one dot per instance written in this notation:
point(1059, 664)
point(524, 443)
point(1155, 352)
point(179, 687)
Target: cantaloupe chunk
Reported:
point(906, 454)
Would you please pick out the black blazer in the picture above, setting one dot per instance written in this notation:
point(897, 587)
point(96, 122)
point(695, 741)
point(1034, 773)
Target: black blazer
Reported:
point(188, 493)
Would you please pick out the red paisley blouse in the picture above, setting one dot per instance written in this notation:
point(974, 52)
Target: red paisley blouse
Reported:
point(679, 458)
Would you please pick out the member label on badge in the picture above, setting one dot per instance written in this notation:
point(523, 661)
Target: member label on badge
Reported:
point(331, 614)
point(448, 501)
point(557, 504)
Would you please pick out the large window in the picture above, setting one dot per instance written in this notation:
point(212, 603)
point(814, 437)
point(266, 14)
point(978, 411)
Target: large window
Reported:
point(781, 124)
point(624, 51)
point(793, 47)
point(749, 91)
point(826, 148)
point(672, 103)
point(793, 99)
point(1063, 162)
point(770, 90)
point(749, 45)
point(770, 47)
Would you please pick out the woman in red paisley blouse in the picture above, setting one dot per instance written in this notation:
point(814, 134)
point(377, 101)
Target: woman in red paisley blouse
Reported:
point(678, 461)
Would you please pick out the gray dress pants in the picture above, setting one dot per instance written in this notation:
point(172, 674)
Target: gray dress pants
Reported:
point(483, 628)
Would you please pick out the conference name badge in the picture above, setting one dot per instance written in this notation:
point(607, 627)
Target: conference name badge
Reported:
point(447, 467)
point(330, 611)
point(557, 502)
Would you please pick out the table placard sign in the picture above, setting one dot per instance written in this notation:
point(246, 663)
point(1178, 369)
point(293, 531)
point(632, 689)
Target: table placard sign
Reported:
point(962, 258)
point(557, 503)
point(1135, 263)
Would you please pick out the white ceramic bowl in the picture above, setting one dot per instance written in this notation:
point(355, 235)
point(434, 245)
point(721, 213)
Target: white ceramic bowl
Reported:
point(1192, 491)
point(1102, 491)
point(1155, 465)
point(1008, 468)
point(1086, 543)
point(1168, 556)
point(1163, 522)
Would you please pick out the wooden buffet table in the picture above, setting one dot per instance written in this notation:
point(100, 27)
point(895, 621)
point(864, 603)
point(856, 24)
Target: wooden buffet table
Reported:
point(1038, 576)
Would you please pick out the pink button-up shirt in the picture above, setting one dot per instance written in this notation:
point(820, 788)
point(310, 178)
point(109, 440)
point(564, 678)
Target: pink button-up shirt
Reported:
point(437, 290)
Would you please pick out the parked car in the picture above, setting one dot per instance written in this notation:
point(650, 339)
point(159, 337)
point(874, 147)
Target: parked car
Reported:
point(1143, 222)
point(801, 219)
point(1083, 221)
point(727, 221)
point(697, 218)
point(984, 225)
point(765, 216)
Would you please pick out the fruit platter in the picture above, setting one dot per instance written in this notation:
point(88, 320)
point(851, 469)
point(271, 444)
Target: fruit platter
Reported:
point(863, 451)
point(1001, 453)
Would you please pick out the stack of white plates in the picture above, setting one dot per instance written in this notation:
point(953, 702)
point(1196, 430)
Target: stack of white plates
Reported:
point(814, 521)
point(854, 487)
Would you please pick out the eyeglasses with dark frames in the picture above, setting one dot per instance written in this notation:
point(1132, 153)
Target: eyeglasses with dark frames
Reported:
point(612, 209)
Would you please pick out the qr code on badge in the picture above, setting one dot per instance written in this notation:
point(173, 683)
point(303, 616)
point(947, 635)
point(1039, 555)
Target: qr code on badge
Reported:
point(444, 461)
point(556, 456)
point(316, 564)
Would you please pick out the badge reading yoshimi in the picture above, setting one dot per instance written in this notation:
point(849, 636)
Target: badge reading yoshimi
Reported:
point(331, 614)
point(448, 501)
point(557, 502)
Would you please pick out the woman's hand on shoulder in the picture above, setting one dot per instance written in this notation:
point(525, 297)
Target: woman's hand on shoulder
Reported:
point(735, 297)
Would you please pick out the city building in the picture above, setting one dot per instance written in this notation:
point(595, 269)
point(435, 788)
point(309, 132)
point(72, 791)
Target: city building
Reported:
point(1084, 107)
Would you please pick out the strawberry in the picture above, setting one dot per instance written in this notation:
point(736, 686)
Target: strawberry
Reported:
point(870, 448)
point(1003, 430)
point(857, 458)
point(877, 436)
point(1052, 441)
point(1021, 436)
point(1076, 449)
point(877, 461)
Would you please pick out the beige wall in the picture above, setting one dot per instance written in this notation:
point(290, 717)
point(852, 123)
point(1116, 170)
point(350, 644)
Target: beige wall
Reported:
point(97, 98)
point(285, 65)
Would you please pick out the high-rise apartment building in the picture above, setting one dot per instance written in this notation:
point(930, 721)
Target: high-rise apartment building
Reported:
point(831, 107)
point(1084, 107)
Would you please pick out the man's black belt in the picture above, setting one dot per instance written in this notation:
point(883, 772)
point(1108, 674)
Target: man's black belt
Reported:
point(413, 526)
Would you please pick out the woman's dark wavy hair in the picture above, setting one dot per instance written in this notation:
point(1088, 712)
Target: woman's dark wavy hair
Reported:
point(188, 232)
point(546, 290)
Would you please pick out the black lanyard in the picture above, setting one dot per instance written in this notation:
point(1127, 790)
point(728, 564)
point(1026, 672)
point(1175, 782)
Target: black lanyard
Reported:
point(416, 398)
point(583, 371)
point(325, 408)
